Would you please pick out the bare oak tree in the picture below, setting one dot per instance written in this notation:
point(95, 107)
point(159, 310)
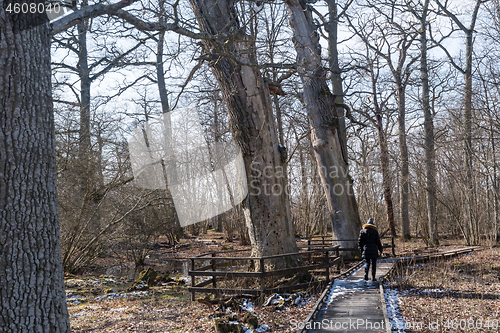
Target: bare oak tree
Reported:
point(326, 132)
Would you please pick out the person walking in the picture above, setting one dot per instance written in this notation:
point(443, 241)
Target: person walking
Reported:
point(369, 245)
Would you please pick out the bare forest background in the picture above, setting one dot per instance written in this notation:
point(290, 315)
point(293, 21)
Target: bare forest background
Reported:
point(419, 78)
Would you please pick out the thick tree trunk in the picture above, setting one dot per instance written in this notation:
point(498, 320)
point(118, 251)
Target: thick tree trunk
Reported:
point(165, 108)
point(84, 143)
point(88, 170)
point(496, 231)
point(336, 78)
point(384, 154)
point(32, 296)
point(469, 193)
point(326, 133)
point(386, 174)
point(253, 128)
point(430, 158)
point(219, 219)
point(338, 91)
point(469, 186)
point(304, 195)
point(405, 173)
point(496, 224)
point(283, 156)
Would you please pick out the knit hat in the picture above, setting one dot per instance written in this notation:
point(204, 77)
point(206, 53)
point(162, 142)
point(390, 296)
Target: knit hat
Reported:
point(370, 221)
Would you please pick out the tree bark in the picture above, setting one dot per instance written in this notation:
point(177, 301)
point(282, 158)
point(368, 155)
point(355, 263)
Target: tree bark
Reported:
point(386, 175)
point(401, 74)
point(283, 156)
point(430, 158)
point(405, 173)
point(469, 195)
point(326, 133)
point(333, 58)
point(87, 171)
point(384, 150)
point(494, 181)
point(87, 167)
point(469, 186)
point(252, 125)
point(32, 295)
point(85, 83)
point(165, 109)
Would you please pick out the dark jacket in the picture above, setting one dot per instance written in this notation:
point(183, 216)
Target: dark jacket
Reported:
point(369, 242)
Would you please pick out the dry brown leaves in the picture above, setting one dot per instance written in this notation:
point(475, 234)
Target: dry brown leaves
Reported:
point(168, 311)
point(461, 295)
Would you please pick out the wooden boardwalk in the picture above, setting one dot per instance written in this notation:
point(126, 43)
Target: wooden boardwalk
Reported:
point(352, 305)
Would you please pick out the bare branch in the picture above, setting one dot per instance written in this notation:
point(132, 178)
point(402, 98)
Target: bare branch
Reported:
point(65, 102)
point(189, 78)
point(81, 15)
point(457, 21)
point(63, 65)
point(115, 61)
point(460, 69)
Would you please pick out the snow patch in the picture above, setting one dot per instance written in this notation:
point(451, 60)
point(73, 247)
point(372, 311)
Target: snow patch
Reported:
point(248, 306)
point(392, 302)
point(343, 287)
point(262, 328)
point(80, 314)
point(123, 295)
point(118, 309)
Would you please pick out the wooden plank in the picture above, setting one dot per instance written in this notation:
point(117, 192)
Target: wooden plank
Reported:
point(295, 269)
point(363, 304)
point(203, 284)
point(222, 273)
point(294, 287)
point(331, 248)
point(204, 268)
point(231, 258)
point(225, 291)
point(201, 255)
point(317, 305)
point(221, 264)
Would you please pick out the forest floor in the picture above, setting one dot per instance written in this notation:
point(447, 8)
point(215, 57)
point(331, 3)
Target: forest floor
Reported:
point(102, 298)
point(460, 295)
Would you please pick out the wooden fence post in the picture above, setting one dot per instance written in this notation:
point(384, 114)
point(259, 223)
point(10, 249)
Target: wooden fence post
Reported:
point(262, 278)
point(327, 260)
point(308, 257)
point(192, 280)
point(214, 278)
point(337, 254)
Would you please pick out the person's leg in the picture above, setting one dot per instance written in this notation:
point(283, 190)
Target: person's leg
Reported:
point(367, 268)
point(374, 269)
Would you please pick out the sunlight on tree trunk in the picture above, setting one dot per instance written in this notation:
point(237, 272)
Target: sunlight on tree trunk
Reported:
point(326, 132)
point(253, 128)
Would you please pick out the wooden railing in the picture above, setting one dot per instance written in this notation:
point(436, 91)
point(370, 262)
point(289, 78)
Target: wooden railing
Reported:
point(324, 240)
point(317, 261)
